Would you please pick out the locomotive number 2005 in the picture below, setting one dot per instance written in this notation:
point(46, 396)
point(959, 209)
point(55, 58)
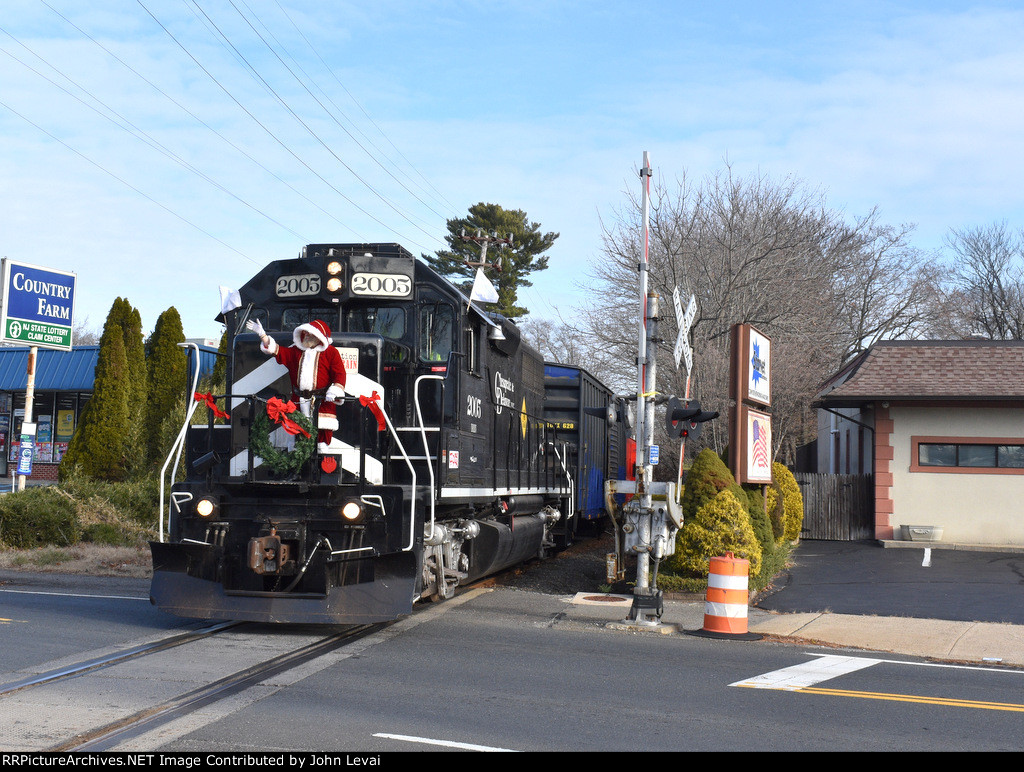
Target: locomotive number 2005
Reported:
point(297, 286)
point(393, 285)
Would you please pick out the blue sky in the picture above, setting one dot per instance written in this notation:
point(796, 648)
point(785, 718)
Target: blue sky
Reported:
point(413, 111)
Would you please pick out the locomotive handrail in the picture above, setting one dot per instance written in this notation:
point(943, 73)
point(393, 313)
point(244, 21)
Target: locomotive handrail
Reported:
point(423, 436)
point(179, 443)
point(412, 471)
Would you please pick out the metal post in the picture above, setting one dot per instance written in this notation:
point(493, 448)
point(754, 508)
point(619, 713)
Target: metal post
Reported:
point(646, 606)
point(30, 395)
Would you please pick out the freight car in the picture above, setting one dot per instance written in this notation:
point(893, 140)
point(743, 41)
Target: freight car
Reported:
point(382, 439)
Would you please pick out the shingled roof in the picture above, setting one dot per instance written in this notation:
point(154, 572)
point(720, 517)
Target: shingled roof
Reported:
point(915, 370)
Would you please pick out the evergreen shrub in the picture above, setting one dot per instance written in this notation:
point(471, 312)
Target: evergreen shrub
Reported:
point(37, 517)
point(722, 525)
point(792, 502)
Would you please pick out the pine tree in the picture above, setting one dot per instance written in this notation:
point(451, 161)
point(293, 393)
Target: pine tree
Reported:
point(517, 260)
point(221, 365)
point(128, 319)
point(100, 442)
point(167, 366)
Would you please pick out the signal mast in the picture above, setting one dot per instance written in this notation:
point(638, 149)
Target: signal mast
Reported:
point(652, 516)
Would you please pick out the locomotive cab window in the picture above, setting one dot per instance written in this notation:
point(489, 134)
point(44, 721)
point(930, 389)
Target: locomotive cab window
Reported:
point(386, 321)
point(437, 332)
point(293, 317)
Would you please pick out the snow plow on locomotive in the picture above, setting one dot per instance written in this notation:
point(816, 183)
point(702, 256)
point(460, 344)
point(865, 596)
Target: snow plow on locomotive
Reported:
point(382, 440)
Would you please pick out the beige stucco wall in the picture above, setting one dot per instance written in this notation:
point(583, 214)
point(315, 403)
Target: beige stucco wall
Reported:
point(971, 508)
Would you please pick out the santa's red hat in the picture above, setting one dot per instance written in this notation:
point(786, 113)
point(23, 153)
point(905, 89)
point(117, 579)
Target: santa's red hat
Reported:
point(318, 329)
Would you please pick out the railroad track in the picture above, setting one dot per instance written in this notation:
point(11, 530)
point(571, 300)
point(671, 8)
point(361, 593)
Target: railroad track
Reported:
point(107, 701)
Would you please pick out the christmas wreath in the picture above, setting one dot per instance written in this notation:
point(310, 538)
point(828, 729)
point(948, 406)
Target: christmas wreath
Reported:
point(282, 414)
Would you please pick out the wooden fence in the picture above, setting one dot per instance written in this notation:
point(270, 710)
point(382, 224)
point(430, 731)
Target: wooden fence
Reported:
point(837, 507)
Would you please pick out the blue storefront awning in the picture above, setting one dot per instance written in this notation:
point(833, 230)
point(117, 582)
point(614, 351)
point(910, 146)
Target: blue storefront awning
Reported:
point(73, 370)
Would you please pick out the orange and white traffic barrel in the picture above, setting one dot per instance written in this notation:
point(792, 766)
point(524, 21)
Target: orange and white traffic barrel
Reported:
point(725, 607)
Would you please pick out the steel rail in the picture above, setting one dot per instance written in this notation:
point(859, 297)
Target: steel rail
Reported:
point(73, 671)
point(107, 737)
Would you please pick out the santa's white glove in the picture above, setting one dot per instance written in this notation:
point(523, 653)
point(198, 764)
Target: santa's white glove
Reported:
point(334, 392)
point(256, 327)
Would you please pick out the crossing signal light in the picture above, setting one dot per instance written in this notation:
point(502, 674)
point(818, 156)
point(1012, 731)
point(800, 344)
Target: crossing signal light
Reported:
point(687, 420)
point(618, 411)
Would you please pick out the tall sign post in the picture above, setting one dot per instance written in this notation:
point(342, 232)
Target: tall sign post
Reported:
point(37, 307)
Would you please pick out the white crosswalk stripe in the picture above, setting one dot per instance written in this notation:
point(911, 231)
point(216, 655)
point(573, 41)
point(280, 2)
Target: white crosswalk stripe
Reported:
point(807, 674)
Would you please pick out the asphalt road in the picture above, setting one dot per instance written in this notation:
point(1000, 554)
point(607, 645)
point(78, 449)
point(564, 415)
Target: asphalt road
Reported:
point(865, 578)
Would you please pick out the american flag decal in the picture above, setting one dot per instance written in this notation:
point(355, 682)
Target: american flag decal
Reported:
point(759, 448)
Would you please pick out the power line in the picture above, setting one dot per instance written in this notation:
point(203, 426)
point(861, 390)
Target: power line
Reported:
point(199, 120)
point(135, 131)
point(126, 183)
point(312, 133)
point(267, 130)
point(332, 114)
point(330, 70)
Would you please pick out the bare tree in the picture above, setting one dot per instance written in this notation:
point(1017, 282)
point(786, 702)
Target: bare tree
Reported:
point(987, 293)
point(765, 252)
point(887, 289)
point(83, 335)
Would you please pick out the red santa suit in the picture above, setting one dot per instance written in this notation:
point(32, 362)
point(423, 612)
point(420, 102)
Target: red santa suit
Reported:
point(314, 365)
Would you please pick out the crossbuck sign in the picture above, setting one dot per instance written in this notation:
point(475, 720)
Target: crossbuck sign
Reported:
point(684, 320)
point(38, 306)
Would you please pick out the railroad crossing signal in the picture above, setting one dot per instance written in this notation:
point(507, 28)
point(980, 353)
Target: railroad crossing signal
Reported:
point(686, 420)
point(684, 320)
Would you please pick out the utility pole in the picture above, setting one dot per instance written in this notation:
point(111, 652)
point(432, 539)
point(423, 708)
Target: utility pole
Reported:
point(485, 240)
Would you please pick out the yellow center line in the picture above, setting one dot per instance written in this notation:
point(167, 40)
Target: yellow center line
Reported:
point(946, 701)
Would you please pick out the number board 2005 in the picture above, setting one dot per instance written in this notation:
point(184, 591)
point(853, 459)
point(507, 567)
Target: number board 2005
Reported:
point(297, 286)
point(393, 285)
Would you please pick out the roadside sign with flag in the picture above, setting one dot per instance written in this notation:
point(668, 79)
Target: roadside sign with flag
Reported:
point(759, 447)
point(38, 305)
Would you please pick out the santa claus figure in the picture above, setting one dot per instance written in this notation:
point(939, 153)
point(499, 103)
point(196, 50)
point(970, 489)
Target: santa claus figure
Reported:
point(315, 369)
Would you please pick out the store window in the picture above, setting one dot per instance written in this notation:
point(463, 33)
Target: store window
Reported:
point(984, 455)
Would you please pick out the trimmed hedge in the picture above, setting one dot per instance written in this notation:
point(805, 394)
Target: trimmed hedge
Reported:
point(37, 517)
point(79, 509)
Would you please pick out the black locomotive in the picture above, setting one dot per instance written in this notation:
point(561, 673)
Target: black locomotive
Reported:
point(455, 452)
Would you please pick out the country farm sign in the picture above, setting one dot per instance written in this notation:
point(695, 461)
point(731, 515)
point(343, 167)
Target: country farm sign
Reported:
point(38, 306)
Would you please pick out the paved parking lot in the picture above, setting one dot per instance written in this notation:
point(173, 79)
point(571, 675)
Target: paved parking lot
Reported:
point(866, 578)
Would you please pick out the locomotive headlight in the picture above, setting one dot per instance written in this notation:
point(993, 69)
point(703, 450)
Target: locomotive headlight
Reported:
point(334, 268)
point(206, 507)
point(333, 284)
point(352, 511)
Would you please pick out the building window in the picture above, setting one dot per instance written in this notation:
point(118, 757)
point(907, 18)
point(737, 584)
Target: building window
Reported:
point(986, 455)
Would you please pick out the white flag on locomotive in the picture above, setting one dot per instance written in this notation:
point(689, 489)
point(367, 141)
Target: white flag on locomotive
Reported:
point(483, 290)
point(229, 299)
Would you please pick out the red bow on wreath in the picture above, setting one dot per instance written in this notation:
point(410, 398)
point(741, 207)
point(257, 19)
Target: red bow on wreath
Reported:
point(371, 402)
point(208, 399)
point(278, 412)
